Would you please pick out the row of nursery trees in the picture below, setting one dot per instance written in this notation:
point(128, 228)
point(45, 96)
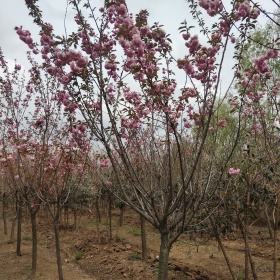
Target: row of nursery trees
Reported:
point(101, 108)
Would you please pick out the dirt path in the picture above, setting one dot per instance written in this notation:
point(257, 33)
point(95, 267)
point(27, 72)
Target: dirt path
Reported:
point(119, 259)
point(13, 267)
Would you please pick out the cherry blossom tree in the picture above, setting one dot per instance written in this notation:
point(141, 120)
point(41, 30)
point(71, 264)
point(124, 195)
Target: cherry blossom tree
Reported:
point(43, 153)
point(118, 72)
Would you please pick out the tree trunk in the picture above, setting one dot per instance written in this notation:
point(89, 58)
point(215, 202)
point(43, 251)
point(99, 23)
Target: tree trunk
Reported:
point(246, 236)
point(110, 216)
point(248, 251)
point(143, 238)
point(34, 244)
point(275, 238)
point(12, 235)
point(19, 222)
point(75, 218)
point(163, 255)
point(221, 246)
point(66, 217)
point(57, 242)
point(268, 222)
point(98, 209)
point(122, 208)
point(4, 213)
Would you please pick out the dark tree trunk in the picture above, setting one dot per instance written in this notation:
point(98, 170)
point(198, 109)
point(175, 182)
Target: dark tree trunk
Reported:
point(122, 208)
point(19, 222)
point(275, 257)
point(221, 246)
point(268, 221)
point(246, 236)
point(110, 216)
point(97, 210)
point(57, 242)
point(4, 213)
point(34, 244)
point(75, 218)
point(248, 251)
point(163, 255)
point(56, 215)
point(12, 235)
point(66, 216)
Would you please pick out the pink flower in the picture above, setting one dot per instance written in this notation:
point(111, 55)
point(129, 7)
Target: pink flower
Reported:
point(17, 66)
point(233, 171)
point(222, 123)
point(108, 183)
point(104, 163)
point(187, 125)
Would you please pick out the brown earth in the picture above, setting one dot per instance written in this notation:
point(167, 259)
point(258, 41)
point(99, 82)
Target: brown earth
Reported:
point(88, 254)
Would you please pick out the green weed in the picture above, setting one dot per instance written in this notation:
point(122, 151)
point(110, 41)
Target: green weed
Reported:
point(134, 257)
point(79, 255)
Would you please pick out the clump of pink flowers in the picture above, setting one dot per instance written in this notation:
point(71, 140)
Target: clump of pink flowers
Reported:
point(233, 171)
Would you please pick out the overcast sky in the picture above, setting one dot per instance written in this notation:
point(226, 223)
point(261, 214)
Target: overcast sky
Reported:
point(13, 13)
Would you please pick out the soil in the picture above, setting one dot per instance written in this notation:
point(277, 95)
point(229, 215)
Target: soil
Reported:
point(89, 253)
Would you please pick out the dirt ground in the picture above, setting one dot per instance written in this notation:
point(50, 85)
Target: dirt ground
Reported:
point(88, 254)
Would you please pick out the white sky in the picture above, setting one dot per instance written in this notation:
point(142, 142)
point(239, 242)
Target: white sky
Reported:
point(170, 13)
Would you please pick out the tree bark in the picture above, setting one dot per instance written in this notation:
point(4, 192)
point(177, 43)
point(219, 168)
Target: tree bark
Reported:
point(246, 236)
point(110, 216)
point(122, 208)
point(57, 243)
point(12, 235)
point(19, 223)
point(163, 255)
point(75, 218)
point(268, 222)
point(275, 257)
point(97, 209)
point(221, 246)
point(66, 220)
point(34, 244)
point(4, 213)
point(248, 251)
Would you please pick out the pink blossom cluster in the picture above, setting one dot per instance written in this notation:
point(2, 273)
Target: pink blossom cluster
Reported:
point(47, 42)
point(73, 58)
point(95, 106)
point(186, 64)
point(64, 98)
point(222, 123)
point(232, 171)
point(257, 128)
point(130, 123)
point(213, 7)
point(188, 93)
point(193, 44)
point(104, 163)
point(225, 26)
point(111, 67)
point(261, 62)
point(233, 102)
point(163, 88)
point(202, 66)
point(17, 67)
point(139, 42)
point(25, 36)
point(78, 131)
point(132, 97)
point(244, 9)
